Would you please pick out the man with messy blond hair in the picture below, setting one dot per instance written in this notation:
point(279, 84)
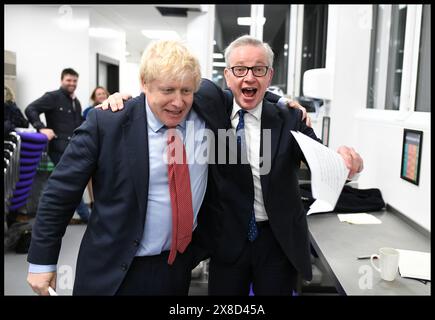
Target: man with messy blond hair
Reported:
point(130, 247)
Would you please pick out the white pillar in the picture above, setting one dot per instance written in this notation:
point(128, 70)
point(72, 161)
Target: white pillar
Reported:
point(257, 18)
point(200, 34)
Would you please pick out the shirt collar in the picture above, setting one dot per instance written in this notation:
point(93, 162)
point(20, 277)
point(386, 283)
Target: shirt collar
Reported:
point(155, 124)
point(256, 112)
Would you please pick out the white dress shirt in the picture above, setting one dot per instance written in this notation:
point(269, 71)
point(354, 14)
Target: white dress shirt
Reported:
point(253, 138)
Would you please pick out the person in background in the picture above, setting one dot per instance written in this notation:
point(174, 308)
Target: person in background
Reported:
point(63, 114)
point(99, 94)
point(13, 117)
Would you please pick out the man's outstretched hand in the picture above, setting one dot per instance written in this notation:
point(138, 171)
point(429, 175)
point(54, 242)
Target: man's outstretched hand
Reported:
point(352, 159)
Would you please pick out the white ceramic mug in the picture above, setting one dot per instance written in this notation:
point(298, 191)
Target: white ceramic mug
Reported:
point(388, 263)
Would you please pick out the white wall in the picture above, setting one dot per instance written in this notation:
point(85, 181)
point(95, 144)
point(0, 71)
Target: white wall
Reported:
point(129, 79)
point(381, 146)
point(46, 42)
point(376, 134)
point(112, 47)
point(347, 54)
point(43, 48)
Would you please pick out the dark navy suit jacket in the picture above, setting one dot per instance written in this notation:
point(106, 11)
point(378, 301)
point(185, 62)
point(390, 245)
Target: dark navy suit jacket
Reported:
point(112, 148)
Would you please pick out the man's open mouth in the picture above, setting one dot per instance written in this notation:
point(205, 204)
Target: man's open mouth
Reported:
point(174, 112)
point(249, 92)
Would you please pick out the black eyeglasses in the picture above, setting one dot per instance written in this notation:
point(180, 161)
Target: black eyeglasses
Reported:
point(241, 71)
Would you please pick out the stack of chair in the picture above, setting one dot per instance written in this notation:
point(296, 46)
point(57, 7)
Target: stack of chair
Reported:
point(11, 167)
point(32, 146)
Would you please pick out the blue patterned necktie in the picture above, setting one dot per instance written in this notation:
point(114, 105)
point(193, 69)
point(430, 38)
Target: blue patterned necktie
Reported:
point(240, 132)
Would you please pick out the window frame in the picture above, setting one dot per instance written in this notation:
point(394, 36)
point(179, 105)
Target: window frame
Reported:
point(408, 88)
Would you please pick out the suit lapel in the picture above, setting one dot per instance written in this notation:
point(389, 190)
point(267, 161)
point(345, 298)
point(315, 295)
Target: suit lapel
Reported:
point(135, 136)
point(269, 120)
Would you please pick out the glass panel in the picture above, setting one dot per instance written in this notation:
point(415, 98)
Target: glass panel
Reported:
point(379, 50)
point(276, 34)
point(374, 59)
point(225, 31)
point(314, 39)
point(422, 102)
point(395, 56)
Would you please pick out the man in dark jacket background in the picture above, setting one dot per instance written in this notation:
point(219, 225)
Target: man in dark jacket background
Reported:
point(63, 114)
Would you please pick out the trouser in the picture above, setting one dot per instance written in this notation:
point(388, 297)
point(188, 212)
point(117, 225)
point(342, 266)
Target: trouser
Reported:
point(262, 263)
point(153, 276)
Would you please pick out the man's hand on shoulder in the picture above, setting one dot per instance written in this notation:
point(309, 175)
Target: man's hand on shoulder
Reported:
point(296, 105)
point(115, 101)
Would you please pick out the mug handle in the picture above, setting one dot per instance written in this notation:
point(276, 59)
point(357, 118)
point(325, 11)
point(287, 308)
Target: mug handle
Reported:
point(372, 257)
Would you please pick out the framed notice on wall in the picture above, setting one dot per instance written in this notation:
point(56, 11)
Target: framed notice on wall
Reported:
point(325, 130)
point(411, 155)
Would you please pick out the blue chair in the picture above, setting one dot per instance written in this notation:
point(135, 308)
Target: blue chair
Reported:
point(32, 147)
point(32, 144)
point(21, 191)
point(30, 168)
point(33, 137)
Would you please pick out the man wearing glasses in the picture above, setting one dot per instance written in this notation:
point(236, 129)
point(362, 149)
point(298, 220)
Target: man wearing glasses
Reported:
point(258, 225)
point(252, 219)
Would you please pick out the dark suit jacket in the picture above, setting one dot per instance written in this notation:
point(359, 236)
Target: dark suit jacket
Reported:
point(230, 193)
point(113, 149)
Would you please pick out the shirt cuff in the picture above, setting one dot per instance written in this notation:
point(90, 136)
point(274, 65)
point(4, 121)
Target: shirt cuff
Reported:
point(282, 102)
point(354, 178)
point(38, 268)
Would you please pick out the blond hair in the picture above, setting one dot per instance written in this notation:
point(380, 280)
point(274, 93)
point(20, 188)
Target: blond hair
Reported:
point(247, 40)
point(169, 59)
point(9, 94)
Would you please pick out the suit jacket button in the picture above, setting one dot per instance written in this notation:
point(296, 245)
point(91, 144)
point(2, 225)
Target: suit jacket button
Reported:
point(124, 267)
point(136, 242)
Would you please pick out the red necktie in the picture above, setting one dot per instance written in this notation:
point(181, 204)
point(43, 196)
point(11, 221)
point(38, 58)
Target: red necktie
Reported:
point(181, 195)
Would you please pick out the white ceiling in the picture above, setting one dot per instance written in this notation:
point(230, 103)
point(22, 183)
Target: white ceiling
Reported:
point(133, 18)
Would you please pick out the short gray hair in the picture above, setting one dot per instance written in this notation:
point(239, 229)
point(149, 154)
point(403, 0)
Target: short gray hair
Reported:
point(251, 41)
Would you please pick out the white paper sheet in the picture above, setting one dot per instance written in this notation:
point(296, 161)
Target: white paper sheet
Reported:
point(414, 264)
point(328, 173)
point(52, 292)
point(359, 218)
